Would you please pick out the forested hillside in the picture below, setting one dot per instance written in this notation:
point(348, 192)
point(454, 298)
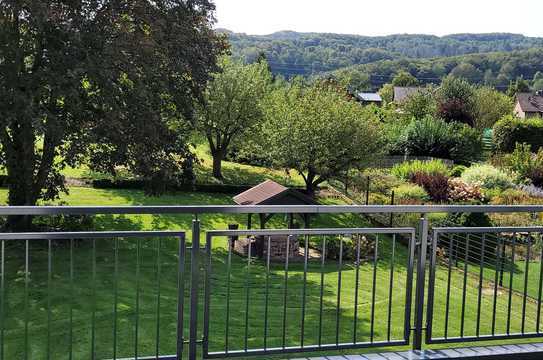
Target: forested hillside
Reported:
point(493, 69)
point(291, 53)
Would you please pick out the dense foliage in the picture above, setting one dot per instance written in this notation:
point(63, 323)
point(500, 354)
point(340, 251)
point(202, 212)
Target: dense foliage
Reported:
point(232, 106)
point(499, 69)
point(436, 138)
point(487, 176)
point(320, 132)
point(528, 165)
point(111, 88)
point(511, 130)
point(408, 169)
point(291, 53)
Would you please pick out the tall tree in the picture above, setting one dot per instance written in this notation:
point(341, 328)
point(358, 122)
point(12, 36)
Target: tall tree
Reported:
point(107, 82)
point(320, 132)
point(490, 106)
point(456, 101)
point(232, 106)
point(403, 78)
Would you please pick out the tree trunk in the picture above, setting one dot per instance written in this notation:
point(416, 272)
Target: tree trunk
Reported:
point(217, 164)
point(20, 165)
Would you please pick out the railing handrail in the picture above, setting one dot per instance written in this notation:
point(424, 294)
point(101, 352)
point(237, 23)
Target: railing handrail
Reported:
point(291, 232)
point(87, 235)
point(264, 209)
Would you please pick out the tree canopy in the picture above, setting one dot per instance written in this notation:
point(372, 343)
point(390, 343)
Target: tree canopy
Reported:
point(100, 82)
point(232, 105)
point(320, 132)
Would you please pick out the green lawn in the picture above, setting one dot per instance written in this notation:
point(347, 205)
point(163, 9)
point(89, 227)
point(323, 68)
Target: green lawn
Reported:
point(77, 294)
point(234, 173)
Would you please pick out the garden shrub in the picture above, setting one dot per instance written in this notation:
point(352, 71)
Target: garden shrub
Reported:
point(436, 138)
point(427, 137)
point(381, 181)
point(487, 176)
point(526, 164)
point(459, 191)
point(408, 169)
point(467, 144)
point(511, 130)
point(436, 185)
point(410, 193)
point(511, 197)
point(458, 170)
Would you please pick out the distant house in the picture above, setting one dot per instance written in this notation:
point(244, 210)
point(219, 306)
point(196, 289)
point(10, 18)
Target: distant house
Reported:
point(403, 93)
point(529, 106)
point(369, 98)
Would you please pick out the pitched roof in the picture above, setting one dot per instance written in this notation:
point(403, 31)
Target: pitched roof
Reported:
point(402, 93)
point(260, 193)
point(530, 103)
point(374, 97)
point(268, 192)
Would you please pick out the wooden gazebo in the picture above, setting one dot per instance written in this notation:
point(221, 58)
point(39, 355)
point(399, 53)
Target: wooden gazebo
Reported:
point(271, 193)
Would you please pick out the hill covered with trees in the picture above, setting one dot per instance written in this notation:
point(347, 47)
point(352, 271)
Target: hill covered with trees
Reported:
point(491, 69)
point(291, 53)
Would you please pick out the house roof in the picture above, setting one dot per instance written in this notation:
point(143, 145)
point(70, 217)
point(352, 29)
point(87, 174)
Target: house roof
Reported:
point(373, 97)
point(530, 103)
point(402, 93)
point(269, 192)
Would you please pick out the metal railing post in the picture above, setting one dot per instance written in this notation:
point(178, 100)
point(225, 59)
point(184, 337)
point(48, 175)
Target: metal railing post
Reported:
point(194, 288)
point(421, 277)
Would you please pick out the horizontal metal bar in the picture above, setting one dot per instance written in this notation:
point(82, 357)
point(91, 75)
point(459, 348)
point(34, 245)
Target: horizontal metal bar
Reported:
point(350, 231)
point(265, 209)
point(87, 235)
point(449, 230)
point(308, 348)
point(484, 338)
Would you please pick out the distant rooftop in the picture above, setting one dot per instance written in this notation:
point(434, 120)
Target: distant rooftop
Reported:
point(530, 103)
point(369, 97)
point(402, 93)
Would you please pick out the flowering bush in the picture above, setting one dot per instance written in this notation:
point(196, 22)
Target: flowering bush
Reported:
point(460, 191)
point(487, 177)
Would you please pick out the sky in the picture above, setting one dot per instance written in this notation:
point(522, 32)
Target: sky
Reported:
point(382, 17)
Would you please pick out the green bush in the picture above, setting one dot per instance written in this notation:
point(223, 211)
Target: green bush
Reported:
point(511, 130)
point(408, 169)
point(436, 138)
point(487, 176)
point(458, 170)
point(381, 181)
point(526, 164)
point(467, 144)
point(410, 192)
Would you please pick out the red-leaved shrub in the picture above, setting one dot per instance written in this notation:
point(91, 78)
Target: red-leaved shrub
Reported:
point(436, 185)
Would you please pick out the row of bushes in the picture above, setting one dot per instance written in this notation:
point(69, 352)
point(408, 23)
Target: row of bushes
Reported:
point(134, 184)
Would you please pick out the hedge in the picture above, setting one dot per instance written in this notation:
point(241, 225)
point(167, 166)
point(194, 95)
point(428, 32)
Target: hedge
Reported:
point(135, 184)
point(510, 130)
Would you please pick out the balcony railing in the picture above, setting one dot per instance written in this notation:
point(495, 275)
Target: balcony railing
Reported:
point(228, 293)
